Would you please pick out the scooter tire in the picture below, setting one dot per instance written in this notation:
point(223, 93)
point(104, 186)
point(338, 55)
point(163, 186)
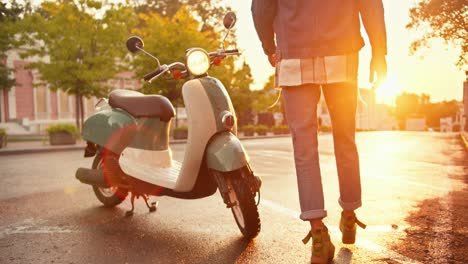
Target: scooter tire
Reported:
point(109, 197)
point(246, 198)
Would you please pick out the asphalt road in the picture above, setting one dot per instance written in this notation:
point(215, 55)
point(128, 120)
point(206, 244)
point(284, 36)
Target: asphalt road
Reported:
point(414, 196)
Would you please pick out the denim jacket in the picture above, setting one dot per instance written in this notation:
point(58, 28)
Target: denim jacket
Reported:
point(309, 28)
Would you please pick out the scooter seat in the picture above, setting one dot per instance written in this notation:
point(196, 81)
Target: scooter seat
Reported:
point(140, 105)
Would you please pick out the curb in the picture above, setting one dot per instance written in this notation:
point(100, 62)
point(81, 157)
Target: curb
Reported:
point(464, 138)
point(45, 149)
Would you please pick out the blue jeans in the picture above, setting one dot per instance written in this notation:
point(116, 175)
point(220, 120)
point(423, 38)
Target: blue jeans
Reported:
point(301, 113)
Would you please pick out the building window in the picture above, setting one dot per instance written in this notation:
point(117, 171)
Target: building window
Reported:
point(41, 103)
point(64, 105)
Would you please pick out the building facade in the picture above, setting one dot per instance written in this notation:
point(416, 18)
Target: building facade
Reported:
point(28, 108)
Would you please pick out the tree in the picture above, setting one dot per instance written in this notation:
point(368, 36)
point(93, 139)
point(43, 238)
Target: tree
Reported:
point(266, 97)
point(411, 105)
point(79, 52)
point(237, 82)
point(168, 37)
point(9, 15)
point(407, 105)
point(207, 12)
point(444, 19)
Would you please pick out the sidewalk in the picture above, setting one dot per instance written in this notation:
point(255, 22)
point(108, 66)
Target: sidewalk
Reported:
point(13, 148)
point(26, 147)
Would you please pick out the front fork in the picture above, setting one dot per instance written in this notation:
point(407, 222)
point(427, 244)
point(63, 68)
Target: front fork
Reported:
point(225, 187)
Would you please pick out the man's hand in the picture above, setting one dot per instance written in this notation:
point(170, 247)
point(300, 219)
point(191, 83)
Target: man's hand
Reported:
point(378, 65)
point(272, 59)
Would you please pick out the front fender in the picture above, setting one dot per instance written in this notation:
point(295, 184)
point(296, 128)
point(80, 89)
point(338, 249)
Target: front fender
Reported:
point(106, 129)
point(226, 153)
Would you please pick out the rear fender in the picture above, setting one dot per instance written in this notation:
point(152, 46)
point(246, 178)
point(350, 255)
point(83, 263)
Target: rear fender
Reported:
point(226, 153)
point(113, 129)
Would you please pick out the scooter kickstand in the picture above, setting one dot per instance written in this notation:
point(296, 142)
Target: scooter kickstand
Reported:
point(154, 205)
point(132, 200)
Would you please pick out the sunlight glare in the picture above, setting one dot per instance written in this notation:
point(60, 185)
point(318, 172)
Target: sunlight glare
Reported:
point(388, 91)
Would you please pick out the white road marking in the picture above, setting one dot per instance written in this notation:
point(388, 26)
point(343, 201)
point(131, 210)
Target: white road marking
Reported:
point(336, 234)
point(29, 226)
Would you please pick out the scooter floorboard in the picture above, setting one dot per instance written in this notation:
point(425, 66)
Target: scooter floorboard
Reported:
point(165, 177)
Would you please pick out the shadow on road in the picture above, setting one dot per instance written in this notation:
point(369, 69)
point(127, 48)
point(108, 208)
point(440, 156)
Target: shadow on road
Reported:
point(109, 237)
point(344, 256)
point(438, 231)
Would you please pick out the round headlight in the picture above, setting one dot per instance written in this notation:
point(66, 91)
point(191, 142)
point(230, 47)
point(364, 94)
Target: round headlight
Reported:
point(198, 61)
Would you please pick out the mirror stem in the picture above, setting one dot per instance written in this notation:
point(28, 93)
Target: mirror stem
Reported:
point(224, 39)
point(149, 54)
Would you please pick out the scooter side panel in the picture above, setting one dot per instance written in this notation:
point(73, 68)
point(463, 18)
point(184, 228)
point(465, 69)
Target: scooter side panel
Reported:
point(153, 134)
point(220, 101)
point(108, 128)
point(226, 153)
point(202, 126)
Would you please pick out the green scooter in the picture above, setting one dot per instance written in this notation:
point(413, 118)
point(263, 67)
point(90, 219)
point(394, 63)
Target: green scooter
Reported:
point(129, 137)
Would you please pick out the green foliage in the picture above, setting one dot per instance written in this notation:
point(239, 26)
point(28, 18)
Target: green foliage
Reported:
point(62, 128)
point(85, 53)
point(168, 37)
point(266, 97)
point(280, 129)
point(446, 20)
point(9, 16)
point(181, 128)
point(79, 52)
point(248, 128)
point(412, 105)
point(208, 12)
point(2, 132)
point(261, 129)
point(407, 104)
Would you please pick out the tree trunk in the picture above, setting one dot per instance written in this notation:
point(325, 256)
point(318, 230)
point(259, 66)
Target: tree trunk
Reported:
point(77, 109)
point(81, 113)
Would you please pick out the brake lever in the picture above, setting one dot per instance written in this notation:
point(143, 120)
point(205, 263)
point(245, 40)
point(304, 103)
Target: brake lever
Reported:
point(166, 68)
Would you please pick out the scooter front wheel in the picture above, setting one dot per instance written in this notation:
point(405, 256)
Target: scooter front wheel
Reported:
point(111, 196)
point(244, 207)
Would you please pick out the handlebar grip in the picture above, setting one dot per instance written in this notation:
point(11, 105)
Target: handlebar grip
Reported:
point(150, 75)
point(232, 51)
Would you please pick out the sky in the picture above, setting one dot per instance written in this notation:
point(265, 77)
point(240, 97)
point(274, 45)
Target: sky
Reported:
point(431, 71)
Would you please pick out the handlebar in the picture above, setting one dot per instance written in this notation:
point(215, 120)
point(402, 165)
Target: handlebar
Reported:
point(223, 53)
point(235, 51)
point(150, 77)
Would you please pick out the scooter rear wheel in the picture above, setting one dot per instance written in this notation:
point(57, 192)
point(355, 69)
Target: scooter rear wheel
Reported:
point(111, 196)
point(244, 207)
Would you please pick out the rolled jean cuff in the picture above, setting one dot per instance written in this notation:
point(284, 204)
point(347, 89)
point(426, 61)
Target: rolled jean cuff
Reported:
point(313, 214)
point(350, 206)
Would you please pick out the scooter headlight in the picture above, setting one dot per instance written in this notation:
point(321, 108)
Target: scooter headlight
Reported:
point(198, 61)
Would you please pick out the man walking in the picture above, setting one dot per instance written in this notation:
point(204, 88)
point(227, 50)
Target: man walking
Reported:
point(316, 49)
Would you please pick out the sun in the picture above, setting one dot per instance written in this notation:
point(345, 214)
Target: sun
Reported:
point(388, 90)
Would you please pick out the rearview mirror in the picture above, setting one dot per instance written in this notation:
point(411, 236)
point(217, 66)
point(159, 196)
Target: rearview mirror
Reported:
point(134, 44)
point(229, 20)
